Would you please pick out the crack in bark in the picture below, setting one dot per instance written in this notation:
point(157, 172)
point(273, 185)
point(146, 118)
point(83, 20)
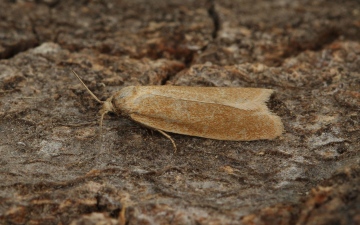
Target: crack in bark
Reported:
point(215, 17)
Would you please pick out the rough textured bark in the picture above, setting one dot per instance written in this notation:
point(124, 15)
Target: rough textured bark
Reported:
point(57, 167)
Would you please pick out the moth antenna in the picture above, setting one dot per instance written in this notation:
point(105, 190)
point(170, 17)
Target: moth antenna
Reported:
point(107, 105)
point(92, 94)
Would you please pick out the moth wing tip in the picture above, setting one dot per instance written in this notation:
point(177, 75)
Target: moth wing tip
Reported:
point(278, 127)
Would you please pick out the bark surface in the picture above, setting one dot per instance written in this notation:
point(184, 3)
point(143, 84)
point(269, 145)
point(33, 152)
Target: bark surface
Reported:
point(58, 167)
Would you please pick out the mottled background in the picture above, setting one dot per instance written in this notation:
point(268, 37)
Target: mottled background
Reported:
point(57, 168)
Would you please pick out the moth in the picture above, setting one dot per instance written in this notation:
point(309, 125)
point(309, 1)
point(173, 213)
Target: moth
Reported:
point(220, 113)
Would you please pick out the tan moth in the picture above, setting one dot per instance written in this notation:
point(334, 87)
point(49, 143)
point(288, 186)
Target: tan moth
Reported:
point(220, 113)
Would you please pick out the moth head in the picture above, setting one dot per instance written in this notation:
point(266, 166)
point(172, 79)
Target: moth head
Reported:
point(107, 106)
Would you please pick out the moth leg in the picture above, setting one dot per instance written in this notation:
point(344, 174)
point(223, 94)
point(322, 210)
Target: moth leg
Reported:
point(168, 136)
